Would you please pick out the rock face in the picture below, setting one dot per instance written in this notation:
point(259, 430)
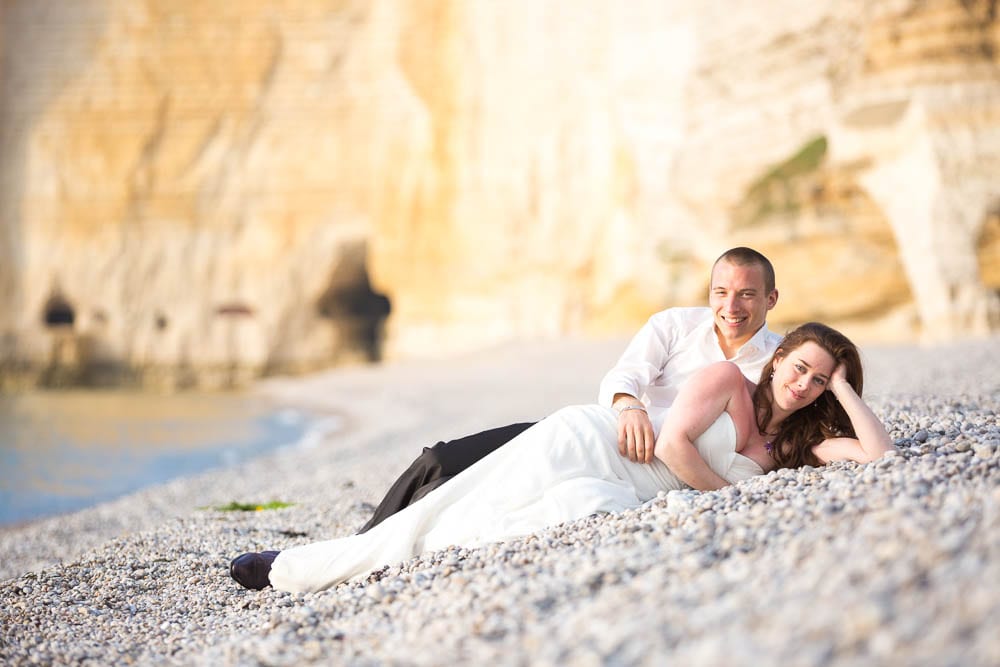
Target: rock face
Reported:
point(598, 161)
point(197, 193)
point(181, 194)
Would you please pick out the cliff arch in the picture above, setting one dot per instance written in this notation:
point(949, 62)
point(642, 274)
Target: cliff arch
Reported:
point(58, 312)
point(358, 311)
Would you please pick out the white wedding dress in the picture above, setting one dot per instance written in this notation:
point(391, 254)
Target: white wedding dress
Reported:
point(565, 467)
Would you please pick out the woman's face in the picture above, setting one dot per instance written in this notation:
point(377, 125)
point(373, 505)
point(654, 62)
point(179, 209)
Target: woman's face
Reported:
point(801, 375)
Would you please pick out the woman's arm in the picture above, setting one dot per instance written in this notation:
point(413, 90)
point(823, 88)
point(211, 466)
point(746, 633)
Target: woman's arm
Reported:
point(872, 442)
point(703, 398)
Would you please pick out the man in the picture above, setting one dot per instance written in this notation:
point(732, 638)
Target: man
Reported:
point(668, 349)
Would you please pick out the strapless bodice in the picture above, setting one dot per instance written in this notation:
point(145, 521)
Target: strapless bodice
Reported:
point(717, 445)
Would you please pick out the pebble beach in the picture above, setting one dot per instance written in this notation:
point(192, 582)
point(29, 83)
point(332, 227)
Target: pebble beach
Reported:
point(896, 562)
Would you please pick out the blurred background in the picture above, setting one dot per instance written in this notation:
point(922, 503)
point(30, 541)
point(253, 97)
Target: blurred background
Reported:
point(195, 194)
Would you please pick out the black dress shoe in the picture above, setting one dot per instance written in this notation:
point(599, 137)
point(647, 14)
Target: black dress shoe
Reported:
point(250, 570)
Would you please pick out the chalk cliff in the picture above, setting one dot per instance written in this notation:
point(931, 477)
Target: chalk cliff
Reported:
point(594, 162)
point(184, 189)
point(197, 193)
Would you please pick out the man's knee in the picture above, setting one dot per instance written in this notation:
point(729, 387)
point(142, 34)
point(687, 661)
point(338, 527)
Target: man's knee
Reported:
point(431, 460)
point(451, 457)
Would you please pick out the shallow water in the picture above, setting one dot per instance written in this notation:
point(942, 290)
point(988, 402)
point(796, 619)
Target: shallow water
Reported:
point(62, 451)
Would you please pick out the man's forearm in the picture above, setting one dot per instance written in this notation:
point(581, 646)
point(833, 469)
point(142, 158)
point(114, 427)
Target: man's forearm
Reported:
point(642, 361)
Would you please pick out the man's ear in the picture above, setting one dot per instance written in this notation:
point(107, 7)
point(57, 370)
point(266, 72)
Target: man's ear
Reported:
point(772, 299)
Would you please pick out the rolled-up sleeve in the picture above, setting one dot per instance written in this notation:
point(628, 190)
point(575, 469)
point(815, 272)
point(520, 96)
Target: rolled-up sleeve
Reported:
point(643, 361)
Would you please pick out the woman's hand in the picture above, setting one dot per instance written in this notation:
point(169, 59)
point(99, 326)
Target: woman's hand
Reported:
point(872, 439)
point(838, 381)
point(839, 374)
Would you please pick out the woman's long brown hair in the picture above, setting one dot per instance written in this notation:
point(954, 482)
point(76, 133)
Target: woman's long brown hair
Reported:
point(823, 418)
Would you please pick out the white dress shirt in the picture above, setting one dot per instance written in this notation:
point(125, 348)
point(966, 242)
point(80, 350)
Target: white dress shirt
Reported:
point(668, 349)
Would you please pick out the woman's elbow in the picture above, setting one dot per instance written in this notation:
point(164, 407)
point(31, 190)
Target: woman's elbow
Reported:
point(660, 452)
point(668, 448)
point(661, 449)
point(876, 452)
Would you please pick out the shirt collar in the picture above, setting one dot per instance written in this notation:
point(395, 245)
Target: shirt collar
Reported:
point(758, 342)
point(707, 327)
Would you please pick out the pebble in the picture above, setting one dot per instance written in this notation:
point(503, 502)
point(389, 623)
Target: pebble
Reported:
point(892, 561)
point(983, 450)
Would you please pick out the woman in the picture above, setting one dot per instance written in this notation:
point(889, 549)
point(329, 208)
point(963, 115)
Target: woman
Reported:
point(806, 409)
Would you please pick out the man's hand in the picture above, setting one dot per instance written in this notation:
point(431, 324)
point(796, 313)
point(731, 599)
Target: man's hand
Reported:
point(635, 432)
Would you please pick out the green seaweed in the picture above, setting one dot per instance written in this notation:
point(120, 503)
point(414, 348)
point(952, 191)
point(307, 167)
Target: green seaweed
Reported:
point(250, 507)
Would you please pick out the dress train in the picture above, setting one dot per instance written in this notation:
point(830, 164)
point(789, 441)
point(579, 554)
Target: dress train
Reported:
point(563, 468)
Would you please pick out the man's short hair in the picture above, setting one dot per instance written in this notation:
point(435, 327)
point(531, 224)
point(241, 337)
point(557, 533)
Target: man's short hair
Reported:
point(743, 256)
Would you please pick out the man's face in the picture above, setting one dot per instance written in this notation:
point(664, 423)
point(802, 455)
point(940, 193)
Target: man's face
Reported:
point(739, 301)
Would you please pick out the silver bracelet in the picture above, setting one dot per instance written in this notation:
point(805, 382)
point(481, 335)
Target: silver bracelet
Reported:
point(631, 407)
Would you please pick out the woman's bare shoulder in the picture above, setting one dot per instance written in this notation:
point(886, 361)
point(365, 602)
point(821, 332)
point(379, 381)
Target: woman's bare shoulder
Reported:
point(718, 379)
point(722, 371)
